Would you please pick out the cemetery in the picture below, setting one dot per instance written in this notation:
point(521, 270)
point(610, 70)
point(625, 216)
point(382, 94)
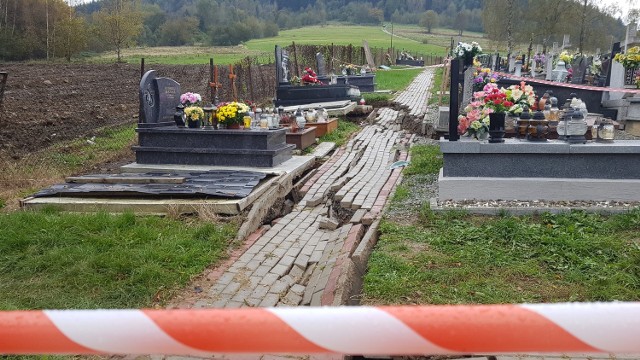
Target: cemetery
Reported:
point(558, 152)
point(308, 215)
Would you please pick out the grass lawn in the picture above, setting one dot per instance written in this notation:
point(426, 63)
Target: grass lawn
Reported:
point(456, 258)
point(339, 34)
point(32, 173)
point(345, 129)
point(86, 261)
point(394, 80)
point(437, 83)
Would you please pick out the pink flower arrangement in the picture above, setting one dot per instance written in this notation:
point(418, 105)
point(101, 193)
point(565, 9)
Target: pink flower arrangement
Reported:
point(476, 121)
point(190, 98)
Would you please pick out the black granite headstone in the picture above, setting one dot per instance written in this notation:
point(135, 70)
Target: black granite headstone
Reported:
point(158, 100)
point(282, 66)
point(320, 64)
point(579, 70)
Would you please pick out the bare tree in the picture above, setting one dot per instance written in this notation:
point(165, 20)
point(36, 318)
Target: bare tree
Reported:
point(119, 23)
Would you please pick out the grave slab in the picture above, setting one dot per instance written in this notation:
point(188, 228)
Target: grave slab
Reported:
point(303, 138)
point(325, 127)
point(184, 146)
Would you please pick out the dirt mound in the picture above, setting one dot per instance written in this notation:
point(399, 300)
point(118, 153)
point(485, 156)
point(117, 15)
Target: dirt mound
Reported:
point(48, 103)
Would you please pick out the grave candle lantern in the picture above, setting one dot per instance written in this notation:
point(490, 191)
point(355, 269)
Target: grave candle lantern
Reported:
point(538, 127)
point(208, 117)
point(573, 127)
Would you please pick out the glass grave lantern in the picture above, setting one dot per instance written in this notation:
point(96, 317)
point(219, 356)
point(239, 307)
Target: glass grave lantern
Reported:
point(538, 127)
point(209, 117)
point(606, 131)
point(573, 127)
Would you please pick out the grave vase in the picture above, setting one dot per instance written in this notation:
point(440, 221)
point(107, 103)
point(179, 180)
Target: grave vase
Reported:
point(233, 126)
point(467, 60)
point(178, 116)
point(496, 127)
point(194, 124)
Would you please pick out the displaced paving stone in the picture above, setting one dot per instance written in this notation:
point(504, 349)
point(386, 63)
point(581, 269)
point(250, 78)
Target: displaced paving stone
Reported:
point(297, 289)
point(269, 279)
point(292, 299)
point(329, 224)
point(270, 300)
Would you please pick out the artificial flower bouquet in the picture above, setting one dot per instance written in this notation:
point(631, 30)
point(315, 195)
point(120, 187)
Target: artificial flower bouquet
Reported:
point(189, 98)
point(566, 57)
point(475, 123)
point(631, 59)
point(482, 77)
point(349, 69)
point(522, 97)
point(232, 113)
point(193, 113)
point(496, 99)
point(466, 50)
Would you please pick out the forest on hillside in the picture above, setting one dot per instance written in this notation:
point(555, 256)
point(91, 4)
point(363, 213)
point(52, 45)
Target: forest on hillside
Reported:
point(45, 29)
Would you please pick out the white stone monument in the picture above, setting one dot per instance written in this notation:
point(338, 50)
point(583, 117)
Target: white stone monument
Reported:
point(548, 68)
point(512, 64)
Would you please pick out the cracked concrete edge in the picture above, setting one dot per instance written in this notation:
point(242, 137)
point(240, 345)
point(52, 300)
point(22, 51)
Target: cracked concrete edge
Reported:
point(260, 208)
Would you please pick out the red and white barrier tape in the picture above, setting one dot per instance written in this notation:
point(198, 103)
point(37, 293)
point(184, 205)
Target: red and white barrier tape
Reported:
point(568, 85)
point(566, 328)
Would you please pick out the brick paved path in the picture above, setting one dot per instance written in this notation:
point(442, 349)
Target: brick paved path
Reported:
point(315, 254)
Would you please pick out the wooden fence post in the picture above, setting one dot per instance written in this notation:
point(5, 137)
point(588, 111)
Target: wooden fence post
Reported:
point(295, 59)
point(3, 84)
point(445, 80)
point(250, 80)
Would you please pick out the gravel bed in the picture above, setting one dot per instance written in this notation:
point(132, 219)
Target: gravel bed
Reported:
point(537, 204)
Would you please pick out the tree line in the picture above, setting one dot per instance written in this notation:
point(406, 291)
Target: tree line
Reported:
point(45, 29)
point(547, 21)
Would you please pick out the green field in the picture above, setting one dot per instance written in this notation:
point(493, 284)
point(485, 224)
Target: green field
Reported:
point(264, 48)
point(343, 35)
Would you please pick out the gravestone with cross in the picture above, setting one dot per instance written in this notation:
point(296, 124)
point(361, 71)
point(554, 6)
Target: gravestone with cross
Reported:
point(320, 64)
point(158, 100)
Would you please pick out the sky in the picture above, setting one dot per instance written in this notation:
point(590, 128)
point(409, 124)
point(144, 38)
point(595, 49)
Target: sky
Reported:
point(625, 5)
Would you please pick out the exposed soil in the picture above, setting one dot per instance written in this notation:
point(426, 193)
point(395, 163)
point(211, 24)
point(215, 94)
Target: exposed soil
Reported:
point(48, 103)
